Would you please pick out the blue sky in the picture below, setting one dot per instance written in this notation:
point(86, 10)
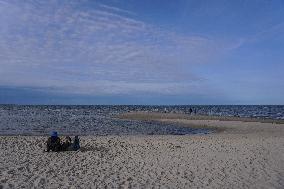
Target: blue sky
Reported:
point(141, 52)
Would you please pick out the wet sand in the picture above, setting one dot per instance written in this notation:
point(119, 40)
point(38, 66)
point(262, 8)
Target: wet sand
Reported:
point(240, 155)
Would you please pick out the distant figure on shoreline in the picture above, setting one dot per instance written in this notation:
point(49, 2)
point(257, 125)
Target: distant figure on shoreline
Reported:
point(165, 110)
point(190, 111)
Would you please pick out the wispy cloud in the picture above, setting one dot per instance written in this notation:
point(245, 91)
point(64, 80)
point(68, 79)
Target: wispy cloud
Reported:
point(115, 9)
point(273, 30)
point(95, 49)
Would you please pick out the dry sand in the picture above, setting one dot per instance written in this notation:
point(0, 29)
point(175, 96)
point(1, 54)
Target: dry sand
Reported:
point(242, 155)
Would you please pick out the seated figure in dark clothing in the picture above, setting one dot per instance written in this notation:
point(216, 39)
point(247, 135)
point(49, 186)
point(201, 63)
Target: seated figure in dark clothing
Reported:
point(66, 145)
point(76, 144)
point(53, 143)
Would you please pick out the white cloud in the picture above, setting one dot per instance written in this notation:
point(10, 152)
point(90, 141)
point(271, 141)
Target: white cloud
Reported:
point(116, 9)
point(95, 50)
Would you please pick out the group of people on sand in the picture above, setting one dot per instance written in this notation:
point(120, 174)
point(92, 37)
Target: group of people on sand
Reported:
point(55, 144)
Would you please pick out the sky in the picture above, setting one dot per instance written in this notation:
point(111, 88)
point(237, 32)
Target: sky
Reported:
point(141, 52)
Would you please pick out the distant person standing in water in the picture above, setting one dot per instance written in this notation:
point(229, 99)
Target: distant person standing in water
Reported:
point(190, 110)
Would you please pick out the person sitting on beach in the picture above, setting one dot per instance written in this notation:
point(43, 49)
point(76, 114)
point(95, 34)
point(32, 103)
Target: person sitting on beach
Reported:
point(66, 144)
point(53, 143)
point(76, 144)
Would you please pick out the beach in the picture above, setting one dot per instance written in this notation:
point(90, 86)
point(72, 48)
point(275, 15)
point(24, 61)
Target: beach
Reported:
point(239, 154)
point(141, 94)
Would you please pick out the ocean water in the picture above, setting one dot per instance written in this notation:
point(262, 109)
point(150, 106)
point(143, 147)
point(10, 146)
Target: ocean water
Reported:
point(100, 120)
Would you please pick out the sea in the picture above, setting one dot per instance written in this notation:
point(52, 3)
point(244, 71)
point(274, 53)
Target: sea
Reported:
point(101, 120)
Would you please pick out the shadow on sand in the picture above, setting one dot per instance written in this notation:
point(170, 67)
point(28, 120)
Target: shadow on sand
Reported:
point(92, 148)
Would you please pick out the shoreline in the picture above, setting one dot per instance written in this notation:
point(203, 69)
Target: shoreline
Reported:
point(219, 124)
point(143, 115)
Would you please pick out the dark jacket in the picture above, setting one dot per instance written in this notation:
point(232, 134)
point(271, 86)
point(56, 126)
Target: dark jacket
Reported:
point(53, 144)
